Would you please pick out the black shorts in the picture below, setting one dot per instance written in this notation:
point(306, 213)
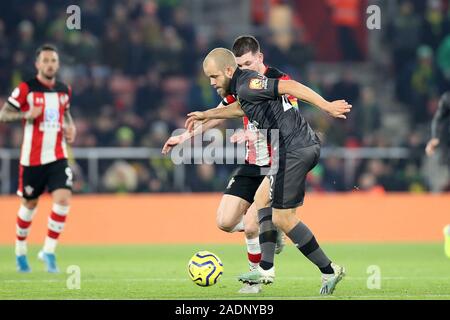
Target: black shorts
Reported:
point(34, 180)
point(244, 182)
point(287, 185)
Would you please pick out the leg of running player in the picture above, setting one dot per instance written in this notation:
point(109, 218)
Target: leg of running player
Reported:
point(56, 221)
point(262, 202)
point(231, 214)
point(236, 215)
point(305, 241)
point(287, 194)
point(25, 216)
point(251, 229)
point(267, 230)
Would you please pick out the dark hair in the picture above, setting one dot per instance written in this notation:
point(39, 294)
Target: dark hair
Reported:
point(245, 44)
point(45, 47)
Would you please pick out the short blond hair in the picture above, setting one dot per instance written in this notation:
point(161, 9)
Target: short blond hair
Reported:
point(222, 58)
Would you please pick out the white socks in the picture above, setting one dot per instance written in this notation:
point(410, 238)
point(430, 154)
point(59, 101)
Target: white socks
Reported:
point(56, 223)
point(24, 218)
point(21, 247)
point(50, 245)
point(253, 251)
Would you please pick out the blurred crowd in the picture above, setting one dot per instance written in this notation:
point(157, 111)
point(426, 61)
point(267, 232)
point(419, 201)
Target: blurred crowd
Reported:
point(135, 69)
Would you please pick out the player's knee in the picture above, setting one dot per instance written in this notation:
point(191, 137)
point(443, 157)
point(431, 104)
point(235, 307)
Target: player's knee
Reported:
point(30, 204)
point(61, 199)
point(62, 202)
point(251, 230)
point(280, 221)
point(224, 226)
point(223, 223)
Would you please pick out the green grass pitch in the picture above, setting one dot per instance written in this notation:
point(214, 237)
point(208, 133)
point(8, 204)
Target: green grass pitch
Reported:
point(408, 271)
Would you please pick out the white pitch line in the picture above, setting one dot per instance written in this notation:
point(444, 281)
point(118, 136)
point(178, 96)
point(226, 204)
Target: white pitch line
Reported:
point(89, 280)
point(347, 278)
point(357, 297)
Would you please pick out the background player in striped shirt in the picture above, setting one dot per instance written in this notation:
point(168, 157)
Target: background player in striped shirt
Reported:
point(237, 210)
point(42, 104)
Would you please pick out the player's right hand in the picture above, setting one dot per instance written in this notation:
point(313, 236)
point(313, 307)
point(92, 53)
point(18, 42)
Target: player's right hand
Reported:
point(33, 113)
point(170, 143)
point(431, 146)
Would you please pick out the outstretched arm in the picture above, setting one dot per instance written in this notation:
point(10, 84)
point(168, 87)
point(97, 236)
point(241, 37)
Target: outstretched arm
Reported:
point(199, 128)
point(336, 109)
point(230, 112)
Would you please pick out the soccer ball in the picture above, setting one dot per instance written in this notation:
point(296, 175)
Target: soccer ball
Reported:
point(205, 268)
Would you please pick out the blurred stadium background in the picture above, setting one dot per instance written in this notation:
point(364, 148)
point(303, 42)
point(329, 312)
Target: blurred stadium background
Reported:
point(135, 70)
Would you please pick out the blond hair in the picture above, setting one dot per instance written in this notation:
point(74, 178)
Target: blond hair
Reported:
point(222, 58)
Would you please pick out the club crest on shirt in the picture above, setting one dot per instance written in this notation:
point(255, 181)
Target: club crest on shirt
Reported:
point(258, 83)
point(29, 190)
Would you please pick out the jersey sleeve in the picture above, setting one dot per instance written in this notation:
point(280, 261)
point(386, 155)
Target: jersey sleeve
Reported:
point(256, 88)
point(18, 96)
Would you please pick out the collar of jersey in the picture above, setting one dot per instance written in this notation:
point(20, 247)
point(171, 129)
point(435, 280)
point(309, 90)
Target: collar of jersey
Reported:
point(233, 81)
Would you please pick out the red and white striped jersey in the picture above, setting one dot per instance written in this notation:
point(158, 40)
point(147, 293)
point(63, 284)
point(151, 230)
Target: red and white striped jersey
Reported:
point(43, 138)
point(258, 151)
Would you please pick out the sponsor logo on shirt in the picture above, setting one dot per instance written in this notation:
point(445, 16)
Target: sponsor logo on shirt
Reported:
point(51, 121)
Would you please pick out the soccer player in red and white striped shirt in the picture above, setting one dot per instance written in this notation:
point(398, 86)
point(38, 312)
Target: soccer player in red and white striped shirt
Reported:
point(43, 106)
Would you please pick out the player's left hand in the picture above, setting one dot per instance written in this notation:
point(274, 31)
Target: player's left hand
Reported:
point(172, 142)
point(192, 118)
point(70, 133)
point(338, 108)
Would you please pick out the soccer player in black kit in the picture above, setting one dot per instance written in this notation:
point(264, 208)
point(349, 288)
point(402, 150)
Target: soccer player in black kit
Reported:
point(440, 137)
point(298, 150)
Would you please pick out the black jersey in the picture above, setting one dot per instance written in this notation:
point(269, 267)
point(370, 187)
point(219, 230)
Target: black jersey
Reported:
point(266, 109)
point(440, 127)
